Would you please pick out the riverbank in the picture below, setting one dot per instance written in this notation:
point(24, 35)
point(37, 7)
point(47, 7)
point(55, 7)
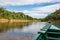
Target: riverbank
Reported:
point(56, 22)
point(14, 20)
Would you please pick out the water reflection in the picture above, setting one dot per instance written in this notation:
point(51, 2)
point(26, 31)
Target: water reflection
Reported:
point(11, 25)
point(19, 31)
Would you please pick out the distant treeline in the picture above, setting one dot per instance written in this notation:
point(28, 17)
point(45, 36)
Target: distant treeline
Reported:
point(5, 14)
point(53, 16)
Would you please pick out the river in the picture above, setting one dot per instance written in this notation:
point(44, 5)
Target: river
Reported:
point(20, 31)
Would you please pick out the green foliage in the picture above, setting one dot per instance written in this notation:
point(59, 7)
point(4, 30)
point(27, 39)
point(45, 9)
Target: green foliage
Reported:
point(53, 16)
point(13, 15)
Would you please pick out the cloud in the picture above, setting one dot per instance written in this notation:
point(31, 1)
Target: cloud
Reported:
point(55, 0)
point(35, 14)
point(41, 12)
point(50, 8)
point(24, 2)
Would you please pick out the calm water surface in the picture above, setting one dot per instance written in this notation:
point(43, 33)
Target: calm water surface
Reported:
point(19, 31)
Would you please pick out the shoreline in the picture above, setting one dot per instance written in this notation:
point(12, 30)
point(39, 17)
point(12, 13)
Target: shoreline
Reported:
point(14, 20)
point(56, 22)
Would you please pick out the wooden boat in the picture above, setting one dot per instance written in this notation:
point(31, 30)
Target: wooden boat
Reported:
point(48, 32)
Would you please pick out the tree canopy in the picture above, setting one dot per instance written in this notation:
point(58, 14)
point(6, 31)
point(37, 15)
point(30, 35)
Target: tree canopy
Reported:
point(13, 15)
point(54, 16)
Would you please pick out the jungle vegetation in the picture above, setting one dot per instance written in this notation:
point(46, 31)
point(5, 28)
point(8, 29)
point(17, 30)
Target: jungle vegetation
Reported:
point(5, 14)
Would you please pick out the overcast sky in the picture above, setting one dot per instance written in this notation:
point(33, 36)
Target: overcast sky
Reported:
point(34, 8)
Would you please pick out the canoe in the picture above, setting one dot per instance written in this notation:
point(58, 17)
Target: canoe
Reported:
point(48, 32)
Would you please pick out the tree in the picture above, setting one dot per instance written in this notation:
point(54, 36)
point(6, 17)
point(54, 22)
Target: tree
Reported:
point(54, 16)
point(13, 15)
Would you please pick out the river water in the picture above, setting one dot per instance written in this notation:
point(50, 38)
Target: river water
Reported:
point(20, 31)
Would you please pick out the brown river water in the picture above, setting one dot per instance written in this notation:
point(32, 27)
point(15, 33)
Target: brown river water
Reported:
point(19, 31)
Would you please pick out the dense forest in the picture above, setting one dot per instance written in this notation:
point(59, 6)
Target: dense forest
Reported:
point(5, 14)
point(53, 16)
